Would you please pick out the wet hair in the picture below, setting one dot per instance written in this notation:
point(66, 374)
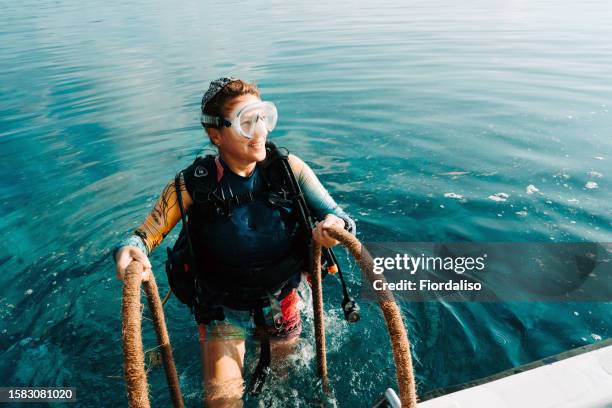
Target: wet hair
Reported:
point(216, 106)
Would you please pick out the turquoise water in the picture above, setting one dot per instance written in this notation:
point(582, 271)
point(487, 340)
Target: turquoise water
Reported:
point(401, 109)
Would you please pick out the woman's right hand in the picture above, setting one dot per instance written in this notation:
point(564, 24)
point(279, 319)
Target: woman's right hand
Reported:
point(125, 255)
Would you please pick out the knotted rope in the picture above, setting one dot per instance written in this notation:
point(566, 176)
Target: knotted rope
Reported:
point(391, 313)
point(133, 354)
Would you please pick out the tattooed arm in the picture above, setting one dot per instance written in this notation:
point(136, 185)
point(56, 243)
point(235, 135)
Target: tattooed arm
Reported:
point(153, 230)
point(163, 217)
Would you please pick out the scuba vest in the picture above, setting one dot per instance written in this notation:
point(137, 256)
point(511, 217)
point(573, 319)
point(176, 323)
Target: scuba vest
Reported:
point(205, 282)
point(202, 279)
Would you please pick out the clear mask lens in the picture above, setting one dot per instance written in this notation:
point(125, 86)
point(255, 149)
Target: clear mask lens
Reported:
point(259, 115)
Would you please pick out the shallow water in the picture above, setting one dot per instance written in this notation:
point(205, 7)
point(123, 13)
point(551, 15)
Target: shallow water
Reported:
point(413, 115)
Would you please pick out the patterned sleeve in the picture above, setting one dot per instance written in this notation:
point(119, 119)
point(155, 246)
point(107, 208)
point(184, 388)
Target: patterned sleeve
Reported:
point(317, 197)
point(160, 221)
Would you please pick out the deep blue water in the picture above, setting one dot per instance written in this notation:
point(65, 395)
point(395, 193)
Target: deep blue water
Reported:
point(401, 108)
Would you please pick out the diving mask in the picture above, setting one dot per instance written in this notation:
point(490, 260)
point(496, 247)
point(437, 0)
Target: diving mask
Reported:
point(247, 119)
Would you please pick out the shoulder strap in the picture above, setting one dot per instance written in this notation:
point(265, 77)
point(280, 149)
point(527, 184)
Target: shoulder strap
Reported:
point(273, 171)
point(296, 191)
point(327, 253)
point(200, 178)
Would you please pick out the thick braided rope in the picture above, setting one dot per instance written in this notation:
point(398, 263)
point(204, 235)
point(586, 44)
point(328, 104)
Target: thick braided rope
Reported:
point(391, 313)
point(133, 355)
point(319, 319)
point(159, 322)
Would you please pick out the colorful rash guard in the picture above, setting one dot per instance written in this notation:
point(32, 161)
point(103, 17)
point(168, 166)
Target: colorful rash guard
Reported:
point(252, 234)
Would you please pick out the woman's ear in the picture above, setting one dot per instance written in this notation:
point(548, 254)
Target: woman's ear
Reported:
point(214, 135)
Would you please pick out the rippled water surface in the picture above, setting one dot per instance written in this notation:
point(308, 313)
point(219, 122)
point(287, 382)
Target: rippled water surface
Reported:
point(412, 114)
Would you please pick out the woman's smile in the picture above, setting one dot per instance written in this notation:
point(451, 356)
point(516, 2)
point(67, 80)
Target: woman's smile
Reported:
point(257, 145)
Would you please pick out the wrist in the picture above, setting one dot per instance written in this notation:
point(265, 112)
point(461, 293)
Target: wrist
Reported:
point(347, 225)
point(131, 241)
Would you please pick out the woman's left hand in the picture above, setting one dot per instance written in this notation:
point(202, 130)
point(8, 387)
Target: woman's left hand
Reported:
point(320, 233)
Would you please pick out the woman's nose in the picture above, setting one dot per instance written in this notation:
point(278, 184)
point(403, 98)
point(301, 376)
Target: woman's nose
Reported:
point(260, 128)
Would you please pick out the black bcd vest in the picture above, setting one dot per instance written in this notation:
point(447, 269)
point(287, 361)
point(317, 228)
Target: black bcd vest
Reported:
point(196, 279)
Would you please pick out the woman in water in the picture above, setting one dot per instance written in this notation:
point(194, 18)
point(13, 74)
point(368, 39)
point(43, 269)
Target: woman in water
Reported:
point(245, 233)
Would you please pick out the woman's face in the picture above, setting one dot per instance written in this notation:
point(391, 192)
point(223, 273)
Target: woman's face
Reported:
point(235, 146)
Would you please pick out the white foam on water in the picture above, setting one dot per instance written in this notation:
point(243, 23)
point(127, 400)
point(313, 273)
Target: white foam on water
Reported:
point(591, 185)
point(531, 189)
point(522, 213)
point(453, 195)
point(499, 197)
point(595, 174)
point(337, 329)
point(454, 174)
point(304, 353)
